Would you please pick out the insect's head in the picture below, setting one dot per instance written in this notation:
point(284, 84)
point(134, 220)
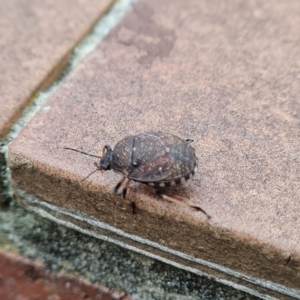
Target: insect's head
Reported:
point(106, 159)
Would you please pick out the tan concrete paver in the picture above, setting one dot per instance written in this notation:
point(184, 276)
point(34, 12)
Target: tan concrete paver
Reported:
point(36, 40)
point(226, 76)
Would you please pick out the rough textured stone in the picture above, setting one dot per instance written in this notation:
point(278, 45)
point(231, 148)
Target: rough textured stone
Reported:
point(36, 41)
point(225, 75)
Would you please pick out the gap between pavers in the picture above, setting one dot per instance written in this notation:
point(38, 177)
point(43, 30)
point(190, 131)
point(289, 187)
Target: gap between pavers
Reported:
point(37, 41)
point(92, 227)
point(53, 80)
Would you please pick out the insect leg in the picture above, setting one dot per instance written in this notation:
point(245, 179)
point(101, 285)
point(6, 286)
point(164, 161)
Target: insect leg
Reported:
point(116, 188)
point(133, 207)
point(124, 191)
point(174, 200)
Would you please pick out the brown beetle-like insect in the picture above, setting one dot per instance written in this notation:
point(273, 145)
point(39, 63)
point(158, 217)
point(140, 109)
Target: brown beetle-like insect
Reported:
point(154, 158)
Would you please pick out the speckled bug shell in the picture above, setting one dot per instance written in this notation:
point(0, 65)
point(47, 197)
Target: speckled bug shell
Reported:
point(155, 158)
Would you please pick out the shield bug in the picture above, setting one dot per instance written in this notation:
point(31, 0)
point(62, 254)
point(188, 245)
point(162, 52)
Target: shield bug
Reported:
point(157, 159)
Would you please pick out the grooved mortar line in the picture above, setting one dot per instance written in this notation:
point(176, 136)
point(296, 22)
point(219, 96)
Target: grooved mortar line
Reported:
point(82, 217)
point(94, 222)
point(101, 29)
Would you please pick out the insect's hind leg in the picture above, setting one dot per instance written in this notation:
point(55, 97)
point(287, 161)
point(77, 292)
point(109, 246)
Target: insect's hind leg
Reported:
point(174, 200)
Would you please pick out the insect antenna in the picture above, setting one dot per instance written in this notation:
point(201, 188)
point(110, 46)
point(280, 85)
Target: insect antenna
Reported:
point(86, 177)
point(79, 151)
point(82, 152)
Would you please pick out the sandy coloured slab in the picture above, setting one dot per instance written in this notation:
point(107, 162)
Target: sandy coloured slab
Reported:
point(37, 38)
point(226, 76)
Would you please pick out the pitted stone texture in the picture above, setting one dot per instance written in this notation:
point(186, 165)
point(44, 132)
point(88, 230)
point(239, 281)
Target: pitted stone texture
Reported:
point(226, 76)
point(36, 41)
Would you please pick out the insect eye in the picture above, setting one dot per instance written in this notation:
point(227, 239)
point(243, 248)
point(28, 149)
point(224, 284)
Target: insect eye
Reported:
point(189, 141)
